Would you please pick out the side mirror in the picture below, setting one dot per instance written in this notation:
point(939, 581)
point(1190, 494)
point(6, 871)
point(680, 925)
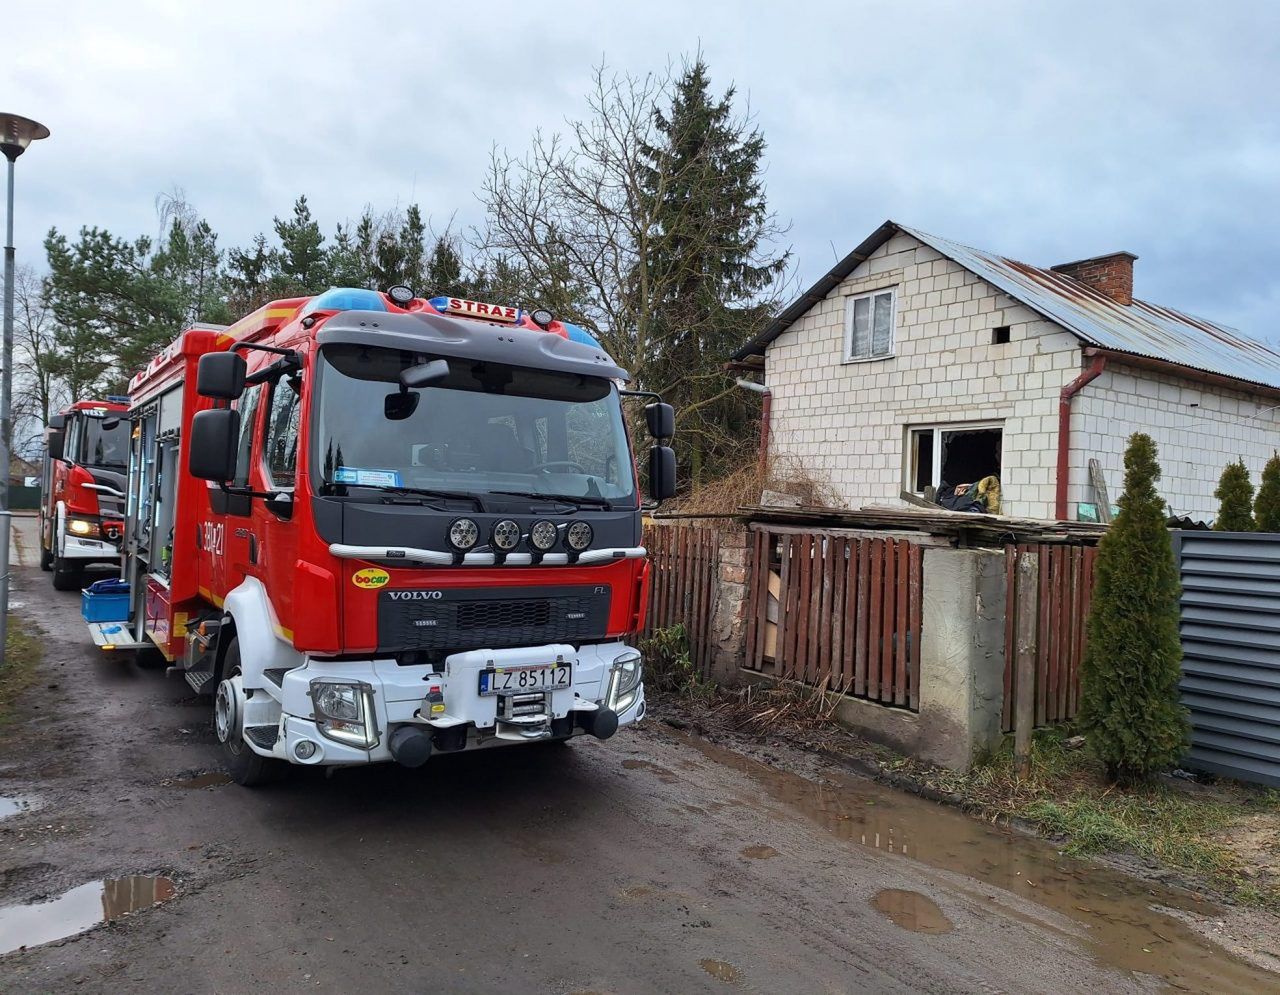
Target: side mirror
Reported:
point(400, 405)
point(424, 373)
point(55, 443)
point(662, 472)
point(220, 375)
point(57, 422)
point(661, 419)
point(214, 435)
point(281, 504)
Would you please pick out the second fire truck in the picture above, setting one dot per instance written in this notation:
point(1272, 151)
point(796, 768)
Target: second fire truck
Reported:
point(373, 527)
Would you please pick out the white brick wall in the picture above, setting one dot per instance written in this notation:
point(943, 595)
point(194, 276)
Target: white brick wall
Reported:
point(847, 421)
point(1198, 429)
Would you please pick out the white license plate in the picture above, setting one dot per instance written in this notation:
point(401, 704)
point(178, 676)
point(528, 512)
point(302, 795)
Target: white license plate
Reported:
point(516, 680)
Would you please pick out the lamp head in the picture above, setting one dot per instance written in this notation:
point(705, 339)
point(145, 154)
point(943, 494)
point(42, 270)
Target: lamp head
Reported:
point(17, 132)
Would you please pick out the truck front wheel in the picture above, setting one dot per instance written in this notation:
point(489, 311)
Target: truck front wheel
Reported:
point(244, 766)
point(66, 575)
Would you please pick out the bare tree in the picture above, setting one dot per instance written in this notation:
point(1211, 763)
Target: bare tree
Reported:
point(38, 391)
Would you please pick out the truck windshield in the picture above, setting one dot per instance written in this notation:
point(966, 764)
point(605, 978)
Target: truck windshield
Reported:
point(482, 428)
point(102, 446)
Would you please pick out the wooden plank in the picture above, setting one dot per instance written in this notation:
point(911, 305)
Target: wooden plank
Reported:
point(901, 624)
point(889, 603)
point(805, 568)
point(754, 625)
point(784, 599)
point(863, 613)
point(915, 617)
point(850, 611)
point(1053, 650)
point(1100, 496)
point(1073, 653)
point(1010, 617)
point(839, 575)
point(1065, 620)
point(1028, 588)
point(1042, 642)
point(826, 616)
point(710, 583)
point(876, 555)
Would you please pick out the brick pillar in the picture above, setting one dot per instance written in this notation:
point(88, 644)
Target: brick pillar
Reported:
point(728, 623)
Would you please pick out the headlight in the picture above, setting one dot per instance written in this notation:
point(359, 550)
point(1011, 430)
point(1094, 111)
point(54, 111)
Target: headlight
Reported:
point(506, 535)
point(542, 536)
point(344, 712)
point(82, 527)
point(463, 534)
point(624, 681)
point(579, 536)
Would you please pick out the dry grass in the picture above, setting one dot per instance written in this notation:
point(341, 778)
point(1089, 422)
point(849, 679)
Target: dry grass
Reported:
point(744, 486)
point(22, 655)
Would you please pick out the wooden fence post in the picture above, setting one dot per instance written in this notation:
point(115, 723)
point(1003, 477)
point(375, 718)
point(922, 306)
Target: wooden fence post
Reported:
point(1027, 590)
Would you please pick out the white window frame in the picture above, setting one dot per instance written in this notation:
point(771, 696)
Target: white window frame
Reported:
point(935, 471)
point(848, 323)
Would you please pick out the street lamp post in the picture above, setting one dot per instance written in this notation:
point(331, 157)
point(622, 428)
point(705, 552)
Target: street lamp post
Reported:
point(16, 133)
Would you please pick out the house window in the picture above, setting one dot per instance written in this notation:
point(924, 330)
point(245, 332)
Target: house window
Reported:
point(868, 326)
point(941, 456)
point(1000, 335)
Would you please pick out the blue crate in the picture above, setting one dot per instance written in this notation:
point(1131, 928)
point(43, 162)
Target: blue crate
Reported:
point(105, 601)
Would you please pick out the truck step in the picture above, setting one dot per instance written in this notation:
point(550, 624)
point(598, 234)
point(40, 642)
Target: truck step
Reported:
point(262, 736)
point(201, 681)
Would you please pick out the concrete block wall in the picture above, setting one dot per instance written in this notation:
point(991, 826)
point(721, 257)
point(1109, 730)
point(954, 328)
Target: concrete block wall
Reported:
point(1198, 429)
point(847, 421)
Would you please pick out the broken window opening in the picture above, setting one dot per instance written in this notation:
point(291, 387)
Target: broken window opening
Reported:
point(942, 457)
point(1000, 335)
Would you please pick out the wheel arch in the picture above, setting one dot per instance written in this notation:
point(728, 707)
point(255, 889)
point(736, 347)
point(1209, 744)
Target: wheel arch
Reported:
point(249, 617)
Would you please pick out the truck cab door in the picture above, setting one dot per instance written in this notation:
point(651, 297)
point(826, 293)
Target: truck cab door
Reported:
point(228, 541)
point(273, 521)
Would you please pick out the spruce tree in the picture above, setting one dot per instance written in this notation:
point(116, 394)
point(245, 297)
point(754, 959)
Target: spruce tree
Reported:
point(1129, 678)
point(1266, 509)
point(1235, 494)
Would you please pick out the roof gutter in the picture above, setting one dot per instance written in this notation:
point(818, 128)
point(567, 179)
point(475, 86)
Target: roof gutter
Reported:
point(1091, 373)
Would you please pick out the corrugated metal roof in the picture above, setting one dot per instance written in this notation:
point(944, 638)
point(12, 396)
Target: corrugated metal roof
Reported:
point(1140, 328)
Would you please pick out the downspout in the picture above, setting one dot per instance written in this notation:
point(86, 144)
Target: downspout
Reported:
point(1091, 373)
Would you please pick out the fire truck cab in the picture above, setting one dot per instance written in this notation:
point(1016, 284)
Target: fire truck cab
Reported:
point(82, 488)
point(373, 527)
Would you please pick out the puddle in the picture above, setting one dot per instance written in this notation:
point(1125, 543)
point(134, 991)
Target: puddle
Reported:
point(211, 780)
point(911, 910)
point(719, 970)
point(758, 851)
point(79, 909)
point(1121, 929)
point(16, 805)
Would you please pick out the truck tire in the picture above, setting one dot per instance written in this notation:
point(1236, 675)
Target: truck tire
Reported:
point(245, 767)
point(66, 575)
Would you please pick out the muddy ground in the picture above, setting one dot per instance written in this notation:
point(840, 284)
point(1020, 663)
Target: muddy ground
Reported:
point(654, 862)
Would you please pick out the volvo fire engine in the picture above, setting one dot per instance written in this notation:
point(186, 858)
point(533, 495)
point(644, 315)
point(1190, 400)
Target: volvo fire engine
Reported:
point(82, 488)
point(374, 527)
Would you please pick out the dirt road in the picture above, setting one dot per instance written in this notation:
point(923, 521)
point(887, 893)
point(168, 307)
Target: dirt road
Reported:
point(649, 863)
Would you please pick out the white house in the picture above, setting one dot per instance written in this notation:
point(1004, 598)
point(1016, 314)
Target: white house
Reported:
point(918, 361)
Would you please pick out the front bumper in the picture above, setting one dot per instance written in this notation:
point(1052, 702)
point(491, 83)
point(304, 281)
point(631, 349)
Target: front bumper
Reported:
point(398, 697)
point(76, 548)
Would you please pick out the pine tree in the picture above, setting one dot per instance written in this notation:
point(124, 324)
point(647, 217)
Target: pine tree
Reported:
point(1235, 494)
point(1266, 509)
point(1129, 678)
point(707, 253)
point(299, 263)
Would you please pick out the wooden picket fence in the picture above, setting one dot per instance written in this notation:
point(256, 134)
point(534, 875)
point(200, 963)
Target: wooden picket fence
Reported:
point(684, 567)
point(836, 611)
point(1060, 602)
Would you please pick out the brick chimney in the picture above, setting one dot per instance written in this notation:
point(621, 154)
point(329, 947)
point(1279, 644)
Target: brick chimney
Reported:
point(1110, 275)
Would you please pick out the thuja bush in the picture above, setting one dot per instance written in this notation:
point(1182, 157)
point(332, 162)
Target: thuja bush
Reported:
point(1235, 497)
point(1266, 509)
point(1129, 679)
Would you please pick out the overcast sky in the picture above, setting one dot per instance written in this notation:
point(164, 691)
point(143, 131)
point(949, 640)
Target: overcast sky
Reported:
point(1045, 132)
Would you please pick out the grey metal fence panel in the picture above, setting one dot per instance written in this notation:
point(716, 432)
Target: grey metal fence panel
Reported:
point(1231, 652)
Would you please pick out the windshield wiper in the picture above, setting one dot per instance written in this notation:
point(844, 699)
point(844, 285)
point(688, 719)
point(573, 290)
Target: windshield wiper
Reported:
point(427, 492)
point(578, 499)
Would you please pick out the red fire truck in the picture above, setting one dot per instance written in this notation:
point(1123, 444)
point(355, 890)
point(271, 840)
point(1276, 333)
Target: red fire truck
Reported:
point(82, 488)
point(374, 526)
